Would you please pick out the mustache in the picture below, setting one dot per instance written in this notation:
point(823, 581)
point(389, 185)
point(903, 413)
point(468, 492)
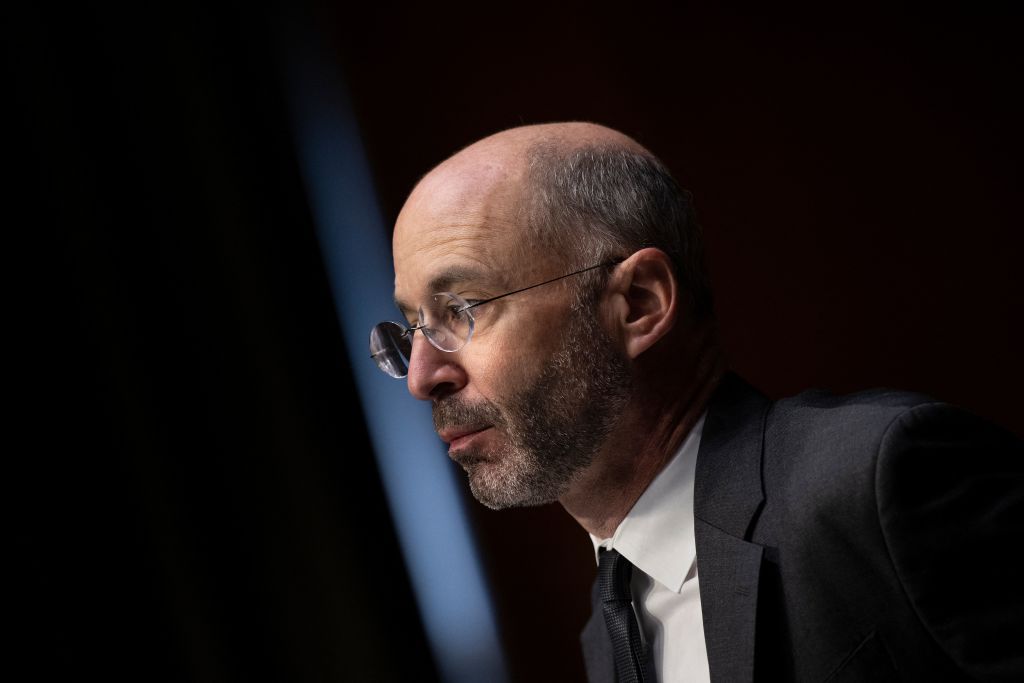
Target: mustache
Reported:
point(456, 412)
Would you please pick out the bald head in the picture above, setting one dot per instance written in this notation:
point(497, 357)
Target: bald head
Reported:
point(501, 163)
point(511, 147)
point(578, 193)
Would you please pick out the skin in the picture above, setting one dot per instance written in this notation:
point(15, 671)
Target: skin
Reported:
point(462, 219)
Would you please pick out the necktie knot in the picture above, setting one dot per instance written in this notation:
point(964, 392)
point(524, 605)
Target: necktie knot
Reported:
point(614, 572)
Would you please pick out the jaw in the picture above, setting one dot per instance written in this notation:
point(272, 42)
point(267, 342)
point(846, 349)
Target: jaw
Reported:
point(604, 493)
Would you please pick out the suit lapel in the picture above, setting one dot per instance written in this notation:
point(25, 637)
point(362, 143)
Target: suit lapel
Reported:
point(727, 497)
point(728, 571)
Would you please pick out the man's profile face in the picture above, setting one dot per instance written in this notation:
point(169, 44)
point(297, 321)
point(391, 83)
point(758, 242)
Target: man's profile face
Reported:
point(528, 402)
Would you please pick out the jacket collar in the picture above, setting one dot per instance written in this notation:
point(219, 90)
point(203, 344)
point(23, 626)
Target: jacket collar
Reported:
point(728, 495)
point(728, 491)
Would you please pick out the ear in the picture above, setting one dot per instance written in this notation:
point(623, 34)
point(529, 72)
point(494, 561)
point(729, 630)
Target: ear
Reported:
point(645, 299)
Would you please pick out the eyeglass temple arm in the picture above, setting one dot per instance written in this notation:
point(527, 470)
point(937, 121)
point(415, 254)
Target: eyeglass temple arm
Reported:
point(613, 262)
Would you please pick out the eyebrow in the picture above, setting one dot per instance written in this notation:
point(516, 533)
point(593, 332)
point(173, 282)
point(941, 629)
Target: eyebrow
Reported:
point(445, 279)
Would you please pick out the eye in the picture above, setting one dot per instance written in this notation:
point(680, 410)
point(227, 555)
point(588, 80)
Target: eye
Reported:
point(446, 310)
point(455, 312)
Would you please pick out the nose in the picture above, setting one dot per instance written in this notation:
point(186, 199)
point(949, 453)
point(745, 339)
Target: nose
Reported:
point(433, 374)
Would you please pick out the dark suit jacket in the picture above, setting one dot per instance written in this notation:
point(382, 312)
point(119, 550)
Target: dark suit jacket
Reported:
point(871, 537)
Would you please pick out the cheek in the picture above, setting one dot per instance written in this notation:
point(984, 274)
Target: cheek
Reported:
point(506, 356)
point(493, 369)
point(496, 367)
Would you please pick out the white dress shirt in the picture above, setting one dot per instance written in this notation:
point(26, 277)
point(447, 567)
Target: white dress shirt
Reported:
point(657, 537)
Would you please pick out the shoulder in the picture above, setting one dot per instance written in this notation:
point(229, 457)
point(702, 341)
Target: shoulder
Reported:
point(950, 494)
point(894, 429)
point(821, 436)
point(818, 412)
point(882, 452)
point(941, 491)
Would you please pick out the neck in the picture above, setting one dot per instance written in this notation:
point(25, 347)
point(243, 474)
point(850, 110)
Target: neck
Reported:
point(664, 409)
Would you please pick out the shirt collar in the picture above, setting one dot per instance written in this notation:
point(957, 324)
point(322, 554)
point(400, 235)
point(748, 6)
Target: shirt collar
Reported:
point(657, 534)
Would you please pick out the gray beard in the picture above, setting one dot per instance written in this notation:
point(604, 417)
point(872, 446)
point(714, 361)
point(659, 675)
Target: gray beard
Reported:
point(554, 428)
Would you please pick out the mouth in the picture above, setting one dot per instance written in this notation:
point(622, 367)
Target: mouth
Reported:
point(461, 437)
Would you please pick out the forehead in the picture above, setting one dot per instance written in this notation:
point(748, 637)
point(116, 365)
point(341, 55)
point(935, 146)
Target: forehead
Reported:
point(459, 225)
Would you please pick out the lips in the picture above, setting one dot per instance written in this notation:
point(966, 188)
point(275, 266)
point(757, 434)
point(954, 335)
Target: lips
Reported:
point(456, 436)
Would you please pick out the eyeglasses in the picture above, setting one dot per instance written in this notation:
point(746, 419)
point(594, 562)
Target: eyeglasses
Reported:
point(445, 320)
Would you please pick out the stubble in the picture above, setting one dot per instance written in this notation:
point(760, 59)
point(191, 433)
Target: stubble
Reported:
point(553, 428)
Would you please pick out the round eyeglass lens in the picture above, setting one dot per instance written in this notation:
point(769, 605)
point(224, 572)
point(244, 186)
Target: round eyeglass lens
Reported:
point(390, 348)
point(446, 321)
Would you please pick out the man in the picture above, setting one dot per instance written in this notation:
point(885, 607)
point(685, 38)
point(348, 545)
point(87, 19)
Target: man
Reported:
point(567, 345)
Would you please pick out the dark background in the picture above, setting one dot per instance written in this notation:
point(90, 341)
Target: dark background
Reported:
point(195, 498)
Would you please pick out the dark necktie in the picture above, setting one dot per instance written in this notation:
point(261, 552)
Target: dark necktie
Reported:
point(613, 572)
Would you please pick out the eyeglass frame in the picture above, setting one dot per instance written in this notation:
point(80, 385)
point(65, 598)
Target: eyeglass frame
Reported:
point(409, 330)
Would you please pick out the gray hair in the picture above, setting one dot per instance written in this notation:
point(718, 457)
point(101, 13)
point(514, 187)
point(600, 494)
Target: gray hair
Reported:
point(597, 203)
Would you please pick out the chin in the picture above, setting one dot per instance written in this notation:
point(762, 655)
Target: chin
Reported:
point(486, 487)
point(498, 486)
